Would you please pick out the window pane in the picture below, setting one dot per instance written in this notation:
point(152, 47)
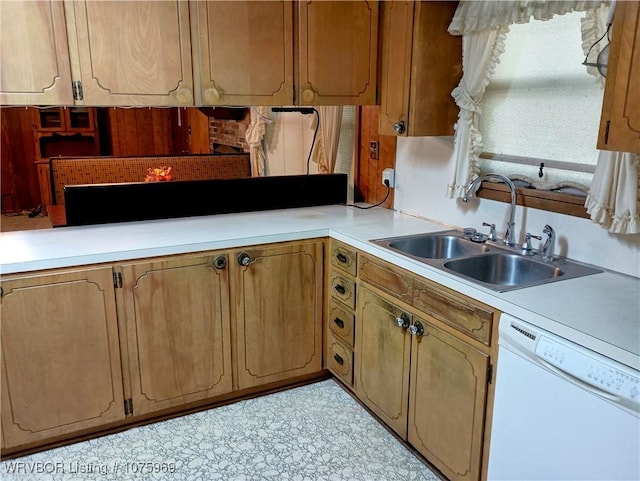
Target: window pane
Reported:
point(541, 102)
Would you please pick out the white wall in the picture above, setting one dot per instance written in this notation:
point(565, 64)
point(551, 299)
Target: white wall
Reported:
point(423, 168)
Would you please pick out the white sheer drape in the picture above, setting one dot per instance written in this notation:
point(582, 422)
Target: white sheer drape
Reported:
point(480, 52)
point(254, 135)
point(483, 25)
point(613, 200)
point(326, 147)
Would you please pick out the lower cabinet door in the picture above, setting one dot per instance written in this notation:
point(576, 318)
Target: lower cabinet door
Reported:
point(277, 292)
point(60, 355)
point(447, 403)
point(178, 332)
point(382, 361)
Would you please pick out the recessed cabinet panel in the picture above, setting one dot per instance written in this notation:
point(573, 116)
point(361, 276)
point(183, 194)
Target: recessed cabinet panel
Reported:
point(245, 52)
point(34, 55)
point(338, 52)
point(133, 53)
point(177, 314)
point(447, 403)
point(60, 355)
point(277, 295)
point(382, 360)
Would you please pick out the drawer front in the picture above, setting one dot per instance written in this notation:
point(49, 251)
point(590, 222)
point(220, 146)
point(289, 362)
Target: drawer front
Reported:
point(386, 278)
point(341, 322)
point(343, 289)
point(468, 316)
point(340, 360)
point(343, 257)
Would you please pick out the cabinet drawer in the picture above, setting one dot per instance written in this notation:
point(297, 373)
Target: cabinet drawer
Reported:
point(385, 277)
point(343, 257)
point(340, 360)
point(341, 322)
point(343, 289)
point(466, 315)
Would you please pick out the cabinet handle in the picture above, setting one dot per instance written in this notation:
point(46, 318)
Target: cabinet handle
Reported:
point(340, 288)
point(339, 322)
point(416, 329)
point(220, 262)
point(308, 95)
point(341, 257)
point(244, 259)
point(213, 94)
point(403, 321)
point(338, 359)
point(400, 127)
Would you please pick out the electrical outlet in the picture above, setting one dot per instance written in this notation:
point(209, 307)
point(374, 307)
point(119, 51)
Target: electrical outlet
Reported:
point(388, 175)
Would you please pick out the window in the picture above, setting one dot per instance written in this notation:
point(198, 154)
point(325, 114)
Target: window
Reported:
point(542, 107)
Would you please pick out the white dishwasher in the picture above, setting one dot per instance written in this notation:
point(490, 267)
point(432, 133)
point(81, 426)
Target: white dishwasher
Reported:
point(561, 412)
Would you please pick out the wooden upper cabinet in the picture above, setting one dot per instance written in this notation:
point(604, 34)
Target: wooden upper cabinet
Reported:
point(421, 63)
point(620, 120)
point(132, 53)
point(337, 52)
point(243, 52)
point(34, 56)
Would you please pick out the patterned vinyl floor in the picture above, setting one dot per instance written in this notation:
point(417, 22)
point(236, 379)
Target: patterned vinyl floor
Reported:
point(311, 433)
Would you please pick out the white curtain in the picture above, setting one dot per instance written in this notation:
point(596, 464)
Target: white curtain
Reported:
point(480, 52)
point(254, 135)
point(483, 25)
point(613, 200)
point(326, 147)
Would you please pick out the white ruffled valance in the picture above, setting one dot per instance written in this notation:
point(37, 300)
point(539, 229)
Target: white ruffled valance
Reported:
point(474, 16)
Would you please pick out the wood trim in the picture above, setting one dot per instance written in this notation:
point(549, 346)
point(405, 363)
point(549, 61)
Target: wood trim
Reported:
point(537, 199)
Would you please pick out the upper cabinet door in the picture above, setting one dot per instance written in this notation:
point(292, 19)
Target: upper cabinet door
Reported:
point(132, 53)
point(243, 52)
point(337, 52)
point(34, 56)
point(620, 121)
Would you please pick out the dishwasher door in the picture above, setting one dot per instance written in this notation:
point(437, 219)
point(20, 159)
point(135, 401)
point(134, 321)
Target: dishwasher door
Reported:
point(550, 425)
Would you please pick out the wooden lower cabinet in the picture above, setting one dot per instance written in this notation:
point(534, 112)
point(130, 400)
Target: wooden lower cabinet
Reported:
point(277, 310)
point(428, 385)
point(447, 402)
point(61, 369)
point(178, 330)
point(383, 352)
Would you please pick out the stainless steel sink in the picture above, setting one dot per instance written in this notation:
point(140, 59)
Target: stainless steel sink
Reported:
point(506, 270)
point(440, 245)
point(487, 264)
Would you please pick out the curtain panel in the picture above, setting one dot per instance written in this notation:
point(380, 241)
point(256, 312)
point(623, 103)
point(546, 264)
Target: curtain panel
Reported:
point(613, 198)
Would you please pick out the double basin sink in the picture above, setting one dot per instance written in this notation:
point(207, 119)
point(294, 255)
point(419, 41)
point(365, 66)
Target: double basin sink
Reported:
point(483, 263)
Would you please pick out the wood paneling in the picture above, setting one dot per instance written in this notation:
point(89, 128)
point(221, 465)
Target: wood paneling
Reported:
point(138, 132)
point(369, 187)
point(20, 187)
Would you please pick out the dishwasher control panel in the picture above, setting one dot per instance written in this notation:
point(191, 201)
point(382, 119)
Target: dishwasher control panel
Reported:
point(598, 374)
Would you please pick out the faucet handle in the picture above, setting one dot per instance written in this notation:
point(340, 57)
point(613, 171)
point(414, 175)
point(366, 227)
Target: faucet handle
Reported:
point(492, 231)
point(527, 248)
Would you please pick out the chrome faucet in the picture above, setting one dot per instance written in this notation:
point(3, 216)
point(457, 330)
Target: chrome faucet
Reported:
point(549, 243)
point(509, 234)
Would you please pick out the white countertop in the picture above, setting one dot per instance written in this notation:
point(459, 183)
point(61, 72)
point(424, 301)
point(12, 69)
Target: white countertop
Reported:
point(601, 311)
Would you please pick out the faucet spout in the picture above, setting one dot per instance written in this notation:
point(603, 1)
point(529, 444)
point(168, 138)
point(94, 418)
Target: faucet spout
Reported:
point(509, 234)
